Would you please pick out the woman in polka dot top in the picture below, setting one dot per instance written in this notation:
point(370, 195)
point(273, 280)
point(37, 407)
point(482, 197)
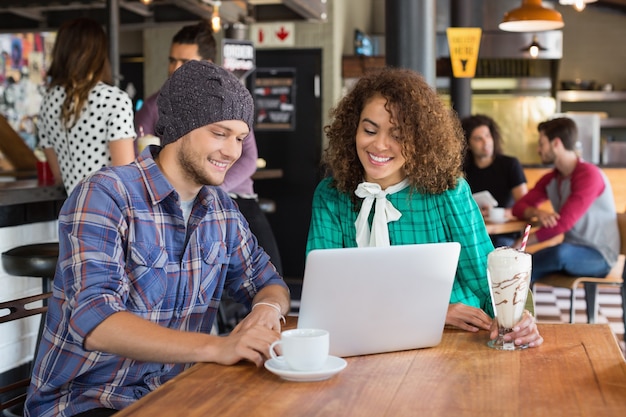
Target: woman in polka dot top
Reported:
point(84, 122)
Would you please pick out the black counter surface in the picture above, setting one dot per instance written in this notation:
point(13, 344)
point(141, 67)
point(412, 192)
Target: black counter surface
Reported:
point(24, 202)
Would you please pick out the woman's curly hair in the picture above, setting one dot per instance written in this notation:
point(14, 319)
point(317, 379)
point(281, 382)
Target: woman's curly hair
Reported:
point(430, 133)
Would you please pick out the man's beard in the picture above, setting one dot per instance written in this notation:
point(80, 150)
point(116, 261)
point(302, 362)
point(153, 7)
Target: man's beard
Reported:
point(192, 164)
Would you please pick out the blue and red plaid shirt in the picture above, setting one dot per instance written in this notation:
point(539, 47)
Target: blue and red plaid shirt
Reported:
point(124, 246)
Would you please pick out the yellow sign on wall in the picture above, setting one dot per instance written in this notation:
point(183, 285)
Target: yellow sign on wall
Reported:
point(464, 44)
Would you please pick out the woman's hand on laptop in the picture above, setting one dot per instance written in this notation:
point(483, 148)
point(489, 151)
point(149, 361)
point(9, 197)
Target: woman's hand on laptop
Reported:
point(467, 318)
point(524, 332)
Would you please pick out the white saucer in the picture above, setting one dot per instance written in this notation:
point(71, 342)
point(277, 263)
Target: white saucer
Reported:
point(332, 366)
point(496, 221)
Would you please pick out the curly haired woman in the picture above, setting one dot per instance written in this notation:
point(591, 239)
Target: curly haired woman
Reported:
point(395, 154)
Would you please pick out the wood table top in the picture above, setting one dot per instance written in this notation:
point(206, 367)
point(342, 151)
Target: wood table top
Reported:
point(578, 371)
point(510, 226)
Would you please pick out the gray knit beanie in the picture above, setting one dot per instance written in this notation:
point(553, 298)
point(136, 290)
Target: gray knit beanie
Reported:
point(197, 94)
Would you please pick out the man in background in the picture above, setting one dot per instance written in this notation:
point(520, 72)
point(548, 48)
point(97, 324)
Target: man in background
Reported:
point(196, 42)
point(193, 42)
point(584, 209)
point(487, 168)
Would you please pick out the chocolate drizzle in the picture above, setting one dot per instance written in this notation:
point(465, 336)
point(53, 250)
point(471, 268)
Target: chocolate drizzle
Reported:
point(520, 281)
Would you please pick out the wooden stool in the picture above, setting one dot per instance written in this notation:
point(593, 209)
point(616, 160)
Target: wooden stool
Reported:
point(615, 277)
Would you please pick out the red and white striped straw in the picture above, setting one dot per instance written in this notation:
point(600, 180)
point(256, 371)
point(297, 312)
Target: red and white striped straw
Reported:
point(525, 238)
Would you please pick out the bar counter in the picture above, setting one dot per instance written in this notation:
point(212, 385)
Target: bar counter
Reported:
point(25, 201)
point(28, 191)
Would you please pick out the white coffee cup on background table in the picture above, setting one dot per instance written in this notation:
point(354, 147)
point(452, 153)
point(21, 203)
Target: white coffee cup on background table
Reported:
point(497, 214)
point(302, 349)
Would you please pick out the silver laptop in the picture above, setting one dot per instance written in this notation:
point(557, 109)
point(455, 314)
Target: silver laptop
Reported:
point(379, 299)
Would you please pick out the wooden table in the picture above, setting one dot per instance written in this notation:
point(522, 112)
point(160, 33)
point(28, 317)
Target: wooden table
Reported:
point(578, 371)
point(509, 226)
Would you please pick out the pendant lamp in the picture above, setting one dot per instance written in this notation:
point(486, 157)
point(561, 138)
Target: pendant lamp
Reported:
point(579, 5)
point(534, 48)
point(216, 19)
point(531, 17)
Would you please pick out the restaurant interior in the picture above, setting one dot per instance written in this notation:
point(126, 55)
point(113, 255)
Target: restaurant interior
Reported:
point(522, 77)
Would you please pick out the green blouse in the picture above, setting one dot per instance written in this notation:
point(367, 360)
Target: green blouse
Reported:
point(452, 216)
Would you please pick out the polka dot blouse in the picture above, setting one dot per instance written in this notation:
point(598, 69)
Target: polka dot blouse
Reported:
point(107, 116)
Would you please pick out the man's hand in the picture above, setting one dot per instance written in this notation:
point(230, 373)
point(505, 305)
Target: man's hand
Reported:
point(263, 315)
point(269, 307)
point(546, 218)
point(484, 211)
point(130, 336)
point(252, 337)
point(252, 343)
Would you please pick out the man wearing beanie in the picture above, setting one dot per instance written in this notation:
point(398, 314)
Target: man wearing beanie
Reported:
point(146, 251)
point(196, 42)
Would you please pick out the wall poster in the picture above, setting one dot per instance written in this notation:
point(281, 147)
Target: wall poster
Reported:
point(24, 59)
point(274, 95)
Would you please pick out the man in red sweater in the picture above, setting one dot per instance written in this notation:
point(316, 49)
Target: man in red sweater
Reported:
point(584, 209)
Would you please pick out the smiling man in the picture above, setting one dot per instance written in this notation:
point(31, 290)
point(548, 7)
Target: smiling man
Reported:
point(584, 209)
point(197, 43)
point(146, 251)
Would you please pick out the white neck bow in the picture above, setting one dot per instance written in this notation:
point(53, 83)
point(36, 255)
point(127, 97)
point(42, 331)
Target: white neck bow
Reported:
point(384, 213)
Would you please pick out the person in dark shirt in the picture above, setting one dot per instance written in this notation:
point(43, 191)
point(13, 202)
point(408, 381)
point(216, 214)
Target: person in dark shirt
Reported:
point(488, 169)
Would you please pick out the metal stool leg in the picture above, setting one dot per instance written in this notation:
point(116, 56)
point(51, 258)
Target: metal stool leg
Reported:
point(591, 292)
point(46, 286)
point(572, 306)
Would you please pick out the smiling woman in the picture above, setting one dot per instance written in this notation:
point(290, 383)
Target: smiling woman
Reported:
point(394, 155)
point(378, 144)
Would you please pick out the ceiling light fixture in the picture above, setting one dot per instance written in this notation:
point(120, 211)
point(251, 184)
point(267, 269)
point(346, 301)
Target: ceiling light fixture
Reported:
point(531, 17)
point(146, 2)
point(216, 20)
point(579, 5)
point(534, 48)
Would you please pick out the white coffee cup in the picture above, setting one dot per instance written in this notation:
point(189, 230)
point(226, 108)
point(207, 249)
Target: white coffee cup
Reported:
point(302, 349)
point(497, 214)
point(146, 140)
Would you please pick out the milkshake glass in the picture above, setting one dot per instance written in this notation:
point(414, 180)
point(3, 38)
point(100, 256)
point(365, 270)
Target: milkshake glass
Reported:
point(508, 271)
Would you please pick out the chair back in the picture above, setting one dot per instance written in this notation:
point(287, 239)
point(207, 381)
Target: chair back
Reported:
point(14, 393)
point(621, 221)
